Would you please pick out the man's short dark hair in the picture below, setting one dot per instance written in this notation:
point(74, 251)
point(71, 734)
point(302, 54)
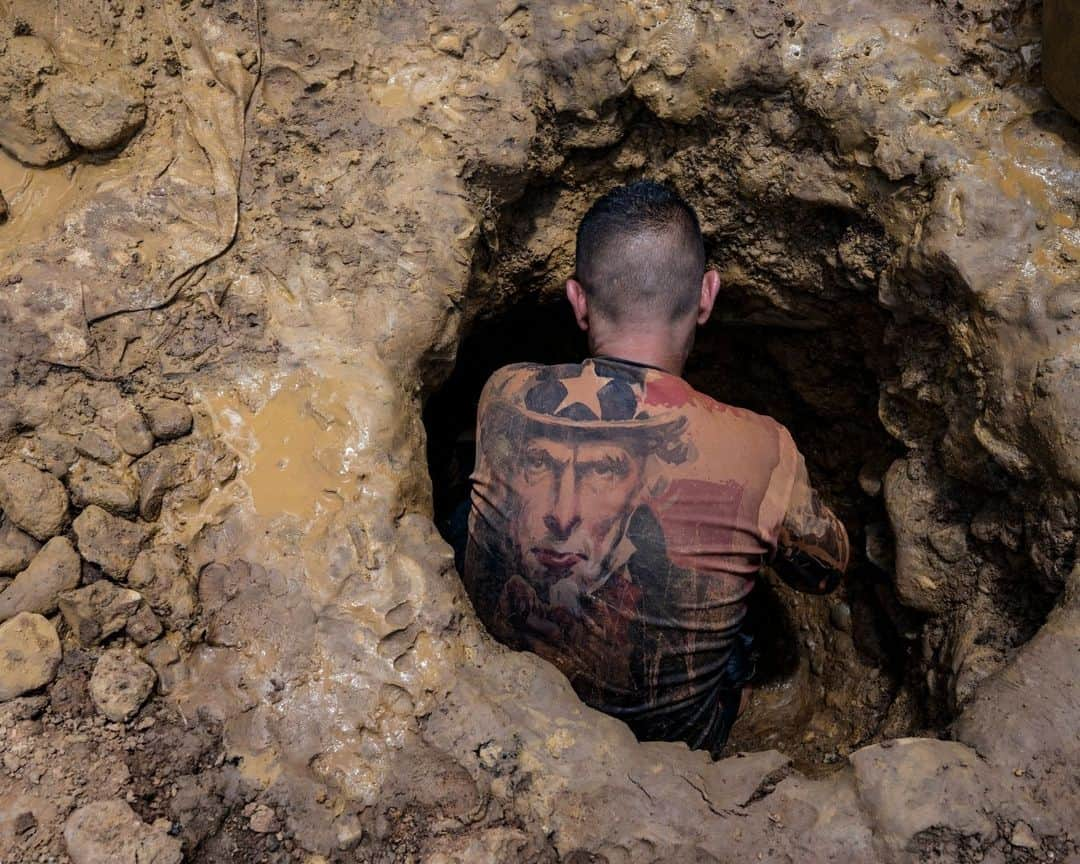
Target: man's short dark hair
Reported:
point(640, 253)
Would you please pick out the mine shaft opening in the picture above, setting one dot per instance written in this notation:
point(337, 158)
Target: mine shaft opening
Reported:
point(797, 334)
point(817, 383)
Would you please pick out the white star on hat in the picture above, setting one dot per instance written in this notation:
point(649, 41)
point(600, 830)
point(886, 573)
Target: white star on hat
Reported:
point(584, 389)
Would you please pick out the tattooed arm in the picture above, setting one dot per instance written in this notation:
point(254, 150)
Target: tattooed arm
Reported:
point(812, 549)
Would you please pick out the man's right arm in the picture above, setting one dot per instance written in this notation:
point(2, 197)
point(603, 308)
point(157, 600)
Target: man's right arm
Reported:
point(812, 548)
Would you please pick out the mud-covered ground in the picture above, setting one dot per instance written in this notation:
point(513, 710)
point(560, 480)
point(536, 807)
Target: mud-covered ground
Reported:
point(256, 260)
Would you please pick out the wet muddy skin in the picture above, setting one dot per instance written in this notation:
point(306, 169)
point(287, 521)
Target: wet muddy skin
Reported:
point(249, 295)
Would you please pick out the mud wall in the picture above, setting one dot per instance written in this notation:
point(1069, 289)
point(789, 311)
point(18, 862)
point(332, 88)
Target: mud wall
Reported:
point(230, 287)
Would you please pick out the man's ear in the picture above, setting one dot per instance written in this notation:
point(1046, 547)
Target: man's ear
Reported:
point(710, 285)
point(579, 302)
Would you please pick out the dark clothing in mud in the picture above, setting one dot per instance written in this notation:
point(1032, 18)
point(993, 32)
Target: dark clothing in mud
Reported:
point(618, 521)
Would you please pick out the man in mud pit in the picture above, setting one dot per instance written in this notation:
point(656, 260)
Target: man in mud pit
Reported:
point(618, 517)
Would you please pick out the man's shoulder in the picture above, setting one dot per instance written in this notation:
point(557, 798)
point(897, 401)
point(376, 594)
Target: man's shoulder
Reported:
point(514, 375)
point(504, 377)
point(516, 369)
point(745, 416)
point(753, 431)
point(506, 383)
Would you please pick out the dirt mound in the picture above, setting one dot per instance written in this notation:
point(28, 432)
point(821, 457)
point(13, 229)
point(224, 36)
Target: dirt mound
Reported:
point(252, 289)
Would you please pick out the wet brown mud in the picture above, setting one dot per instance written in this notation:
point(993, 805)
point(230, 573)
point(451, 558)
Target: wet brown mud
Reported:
point(221, 333)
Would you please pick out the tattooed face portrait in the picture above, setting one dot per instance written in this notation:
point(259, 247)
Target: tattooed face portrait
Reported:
point(574, 499)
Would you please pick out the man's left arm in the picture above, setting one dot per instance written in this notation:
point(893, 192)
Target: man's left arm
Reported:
point(812, 548)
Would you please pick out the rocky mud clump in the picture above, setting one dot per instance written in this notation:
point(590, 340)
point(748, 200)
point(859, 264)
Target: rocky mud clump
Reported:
point(256, 260)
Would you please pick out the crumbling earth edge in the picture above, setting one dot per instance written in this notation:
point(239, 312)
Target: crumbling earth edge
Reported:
point(280, 261)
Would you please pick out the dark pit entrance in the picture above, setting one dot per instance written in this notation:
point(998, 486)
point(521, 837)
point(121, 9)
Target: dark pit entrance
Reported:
point(797, 334)
point(831, 671)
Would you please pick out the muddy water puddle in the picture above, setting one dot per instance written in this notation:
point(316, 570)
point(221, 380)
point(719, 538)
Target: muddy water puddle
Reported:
point(35, 196)
point(298, 448)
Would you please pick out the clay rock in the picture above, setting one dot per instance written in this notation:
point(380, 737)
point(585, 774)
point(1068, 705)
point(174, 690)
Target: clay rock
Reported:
point(840, 616)
point(97, 611)
point(17, 816)
point(949, 541)
point(261, 819)
point(1057, 389)
point(10, 420)
point(132, 433)
point(33, 500)
point(91, 483)
point(97, 447)
point(97, 115)
point(160, 576)
point(54, 453)
point(166, 662)
point(143, 626)
point(913, 784)
point(29, 654)
point(109, 832)
point(1023, 837)
point(1032, 706)
point(449, 42)
point(56, 568)
point(970, 656)
point(120, 684)
point(108, 541)
point(168, 418)
point(160, 472)
point(971, 669)
point(27, 129)
point(925, 580)
point(17, 548)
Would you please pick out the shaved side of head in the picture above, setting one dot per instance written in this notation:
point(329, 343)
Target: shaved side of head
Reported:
point(640, 254)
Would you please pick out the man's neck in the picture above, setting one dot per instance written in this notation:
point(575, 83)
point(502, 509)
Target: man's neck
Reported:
point(644, 348)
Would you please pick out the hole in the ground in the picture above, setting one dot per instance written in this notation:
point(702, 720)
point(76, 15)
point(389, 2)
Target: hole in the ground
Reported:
point(817, 384)
point(798, 336)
